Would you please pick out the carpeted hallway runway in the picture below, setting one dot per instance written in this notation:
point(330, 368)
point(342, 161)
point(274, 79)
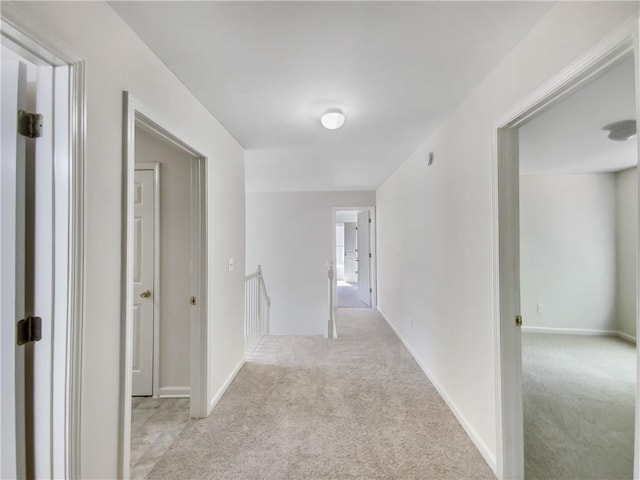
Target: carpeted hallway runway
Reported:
point(311, 408)
point(579, 410)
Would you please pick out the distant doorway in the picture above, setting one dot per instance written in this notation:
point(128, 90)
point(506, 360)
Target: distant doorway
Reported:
point(354, 251)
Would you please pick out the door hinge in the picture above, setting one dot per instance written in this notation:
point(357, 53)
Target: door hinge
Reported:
point(192, 300)
point(371, 290)
point(518, 320)
point(369, 255)
point(369, 220)
point(29, 124)
point(29, 330)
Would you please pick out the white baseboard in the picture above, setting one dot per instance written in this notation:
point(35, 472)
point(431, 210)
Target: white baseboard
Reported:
point(216, 398)
point(627, 337)
point(174, 392)
point(580, 331)
point(486, 453)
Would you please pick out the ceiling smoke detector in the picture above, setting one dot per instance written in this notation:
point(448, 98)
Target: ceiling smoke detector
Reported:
point(332, 120)
point(621, 131)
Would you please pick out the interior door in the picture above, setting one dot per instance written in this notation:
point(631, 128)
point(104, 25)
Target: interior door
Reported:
point(12, 255)
point(27, 264)
point(350, 267)
point(364, 259)
point(143, 281)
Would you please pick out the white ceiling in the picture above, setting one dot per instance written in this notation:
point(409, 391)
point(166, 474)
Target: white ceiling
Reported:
point(568, 138)
point(268, 70)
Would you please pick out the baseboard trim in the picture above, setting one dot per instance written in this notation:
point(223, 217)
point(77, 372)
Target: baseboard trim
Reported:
point(216, 398)
point(627, 337)
point(580, 331)
point(486, 453)
point(174, 392)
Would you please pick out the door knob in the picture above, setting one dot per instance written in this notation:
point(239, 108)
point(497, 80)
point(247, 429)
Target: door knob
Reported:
point(145, 294)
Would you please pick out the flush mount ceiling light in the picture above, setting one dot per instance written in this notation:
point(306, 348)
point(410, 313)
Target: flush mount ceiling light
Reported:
point(332, 120)
point(621, 131)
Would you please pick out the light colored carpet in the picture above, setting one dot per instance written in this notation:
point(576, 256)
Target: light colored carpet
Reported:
point(347, 296)
point(311, 408)
point(578, 396)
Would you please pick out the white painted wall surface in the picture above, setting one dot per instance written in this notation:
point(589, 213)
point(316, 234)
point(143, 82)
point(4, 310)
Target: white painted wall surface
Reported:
point(118, 60)
point(627, 242)
point(435, 232)
point(568, 251)
point(175, 256)
point(292, 236)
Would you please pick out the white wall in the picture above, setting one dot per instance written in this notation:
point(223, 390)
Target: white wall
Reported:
point(343, 216)
point(292, 236)
point(175, 256)
point(435, 232)
point(627, 244)
point(568, 251)
point(118, 60)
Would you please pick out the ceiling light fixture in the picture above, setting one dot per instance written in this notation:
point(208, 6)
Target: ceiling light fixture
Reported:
point(621, 131)
point(332, 119)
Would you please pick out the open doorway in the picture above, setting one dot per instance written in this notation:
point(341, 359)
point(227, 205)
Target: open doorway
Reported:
point(578, 269)
point(566, 263)
point(355, 259)
point(161, 333)
point(165, 290)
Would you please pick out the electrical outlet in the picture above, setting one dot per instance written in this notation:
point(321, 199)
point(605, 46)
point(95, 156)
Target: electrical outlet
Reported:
point(540, 308)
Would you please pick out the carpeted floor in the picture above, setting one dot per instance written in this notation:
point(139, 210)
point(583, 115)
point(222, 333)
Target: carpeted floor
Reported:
point(311, 408)
point(578, 396)
point(347, 296)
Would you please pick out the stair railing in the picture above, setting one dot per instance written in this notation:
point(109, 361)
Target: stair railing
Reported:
point(257, 306)
point(331, 324)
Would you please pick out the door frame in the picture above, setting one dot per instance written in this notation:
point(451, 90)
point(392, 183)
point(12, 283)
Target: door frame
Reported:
point(506, 240)
point(373, 271)
point(136, 114)
point(155, 168)
point(41, 46)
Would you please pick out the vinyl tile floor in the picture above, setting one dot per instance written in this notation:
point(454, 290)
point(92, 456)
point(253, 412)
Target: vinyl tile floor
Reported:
point(155, 424)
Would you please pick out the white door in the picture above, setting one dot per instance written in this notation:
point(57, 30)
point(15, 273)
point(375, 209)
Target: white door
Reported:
point(27, 266)
point(12, 251)
point(350, 266)
point(364, 258)
point(143, 281)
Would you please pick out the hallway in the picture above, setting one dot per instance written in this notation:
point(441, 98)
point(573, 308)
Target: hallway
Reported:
point(308, 407)
point(347, 295)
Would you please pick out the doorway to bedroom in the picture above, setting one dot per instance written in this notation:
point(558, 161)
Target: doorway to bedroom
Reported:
point(354, 252)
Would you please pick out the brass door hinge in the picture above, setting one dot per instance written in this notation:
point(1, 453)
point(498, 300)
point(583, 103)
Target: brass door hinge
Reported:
point(518, 320)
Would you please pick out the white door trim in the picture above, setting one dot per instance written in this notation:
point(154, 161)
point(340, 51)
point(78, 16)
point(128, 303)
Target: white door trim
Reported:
point(155, 168)
point(506, 241)
point(41, 46)
point(137, 114)
point(373, 273)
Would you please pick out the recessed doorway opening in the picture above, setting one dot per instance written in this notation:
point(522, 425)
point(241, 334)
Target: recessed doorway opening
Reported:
point(525, 224)
point(164, 289)
point(355, 257)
